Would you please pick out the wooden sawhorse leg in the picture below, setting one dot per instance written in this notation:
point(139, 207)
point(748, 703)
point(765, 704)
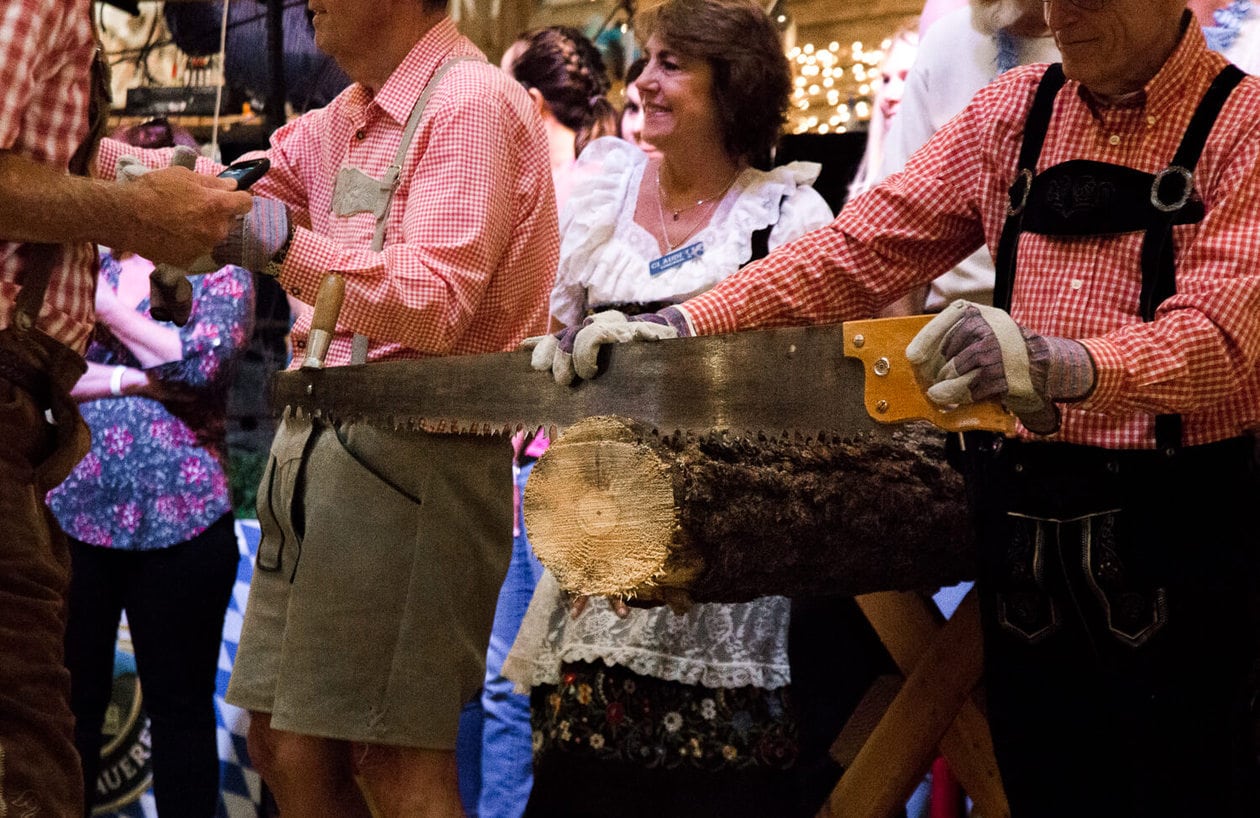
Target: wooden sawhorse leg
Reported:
point(934, 708)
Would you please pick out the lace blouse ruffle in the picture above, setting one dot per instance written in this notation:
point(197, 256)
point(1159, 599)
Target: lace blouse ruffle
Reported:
point(604, 253)
point(714, 645)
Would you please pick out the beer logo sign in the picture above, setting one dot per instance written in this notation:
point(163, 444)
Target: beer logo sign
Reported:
point(126, 770)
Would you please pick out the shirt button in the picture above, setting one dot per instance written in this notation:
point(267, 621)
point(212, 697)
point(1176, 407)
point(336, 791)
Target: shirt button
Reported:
point(296, 291)
point(300, 344)
point(1114, 139)
point(360, 134)
point(1150, 120)
point(1076, 284)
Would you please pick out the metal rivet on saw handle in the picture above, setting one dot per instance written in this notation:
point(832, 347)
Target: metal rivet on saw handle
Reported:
point(881, 406)
point(859, 341)
point(882, 366)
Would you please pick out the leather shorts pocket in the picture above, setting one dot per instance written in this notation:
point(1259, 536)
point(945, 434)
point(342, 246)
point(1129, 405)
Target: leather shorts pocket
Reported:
point(1024, 606)
point(1133, 604)
point(277, 492)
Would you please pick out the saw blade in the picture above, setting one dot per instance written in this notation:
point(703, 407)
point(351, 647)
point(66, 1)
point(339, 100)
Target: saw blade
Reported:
point(780, 382)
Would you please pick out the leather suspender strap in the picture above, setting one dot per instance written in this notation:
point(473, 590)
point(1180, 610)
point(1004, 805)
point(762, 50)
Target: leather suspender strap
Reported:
point(1171, 190)
point(1035, 130)
point(359, 344)
point(1159, 274)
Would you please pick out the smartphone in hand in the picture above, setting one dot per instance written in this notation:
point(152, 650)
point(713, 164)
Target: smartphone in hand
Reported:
point(247, 172)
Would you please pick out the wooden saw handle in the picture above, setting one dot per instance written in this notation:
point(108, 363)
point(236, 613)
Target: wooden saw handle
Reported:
point(893, 394)
point(324, 322)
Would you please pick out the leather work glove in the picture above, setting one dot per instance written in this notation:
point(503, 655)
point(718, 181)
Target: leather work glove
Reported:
point(574, 351)
point(971, 352)
point(256, 238)
point(170, 294)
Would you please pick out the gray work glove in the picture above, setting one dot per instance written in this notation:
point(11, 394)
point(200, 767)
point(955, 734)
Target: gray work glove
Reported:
point(971, 352)
point(573, 352)
point(170, 294)
point(256, 238)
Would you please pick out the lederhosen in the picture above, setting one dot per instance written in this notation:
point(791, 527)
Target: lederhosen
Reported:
point(1117, 586)
point(381, 557)
point(39, 769)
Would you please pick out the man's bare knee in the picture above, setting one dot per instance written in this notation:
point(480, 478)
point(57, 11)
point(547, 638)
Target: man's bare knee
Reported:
point(258, 741)
point(278, 754)
point(409, 781)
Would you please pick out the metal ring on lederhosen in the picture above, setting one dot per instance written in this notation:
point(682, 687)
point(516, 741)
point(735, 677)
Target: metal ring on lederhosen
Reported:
point(1075, 199)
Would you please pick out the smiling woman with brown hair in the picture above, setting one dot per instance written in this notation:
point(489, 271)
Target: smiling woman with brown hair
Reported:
point(648, 712)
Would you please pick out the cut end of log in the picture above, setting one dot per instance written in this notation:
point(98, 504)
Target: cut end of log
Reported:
point(615, 509)
point(611, 514)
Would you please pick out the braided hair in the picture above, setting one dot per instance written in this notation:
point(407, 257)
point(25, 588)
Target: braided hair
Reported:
point(569, 72)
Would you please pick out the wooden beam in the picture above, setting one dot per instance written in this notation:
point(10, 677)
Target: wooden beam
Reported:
point(936, 690)
point(908, 623)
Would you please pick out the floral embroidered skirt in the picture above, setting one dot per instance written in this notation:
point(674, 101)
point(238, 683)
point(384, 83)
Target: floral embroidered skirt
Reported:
point(630, 739)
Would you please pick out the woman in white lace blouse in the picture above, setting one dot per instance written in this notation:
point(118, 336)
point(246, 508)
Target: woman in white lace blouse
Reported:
point(644, 712)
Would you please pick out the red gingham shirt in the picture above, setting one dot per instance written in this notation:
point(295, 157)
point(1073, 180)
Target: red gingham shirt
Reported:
point(1199, 358)
point(471, 245)
point(46, 49)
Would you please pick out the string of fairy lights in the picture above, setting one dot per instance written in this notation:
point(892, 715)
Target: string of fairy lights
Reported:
point(833, 87)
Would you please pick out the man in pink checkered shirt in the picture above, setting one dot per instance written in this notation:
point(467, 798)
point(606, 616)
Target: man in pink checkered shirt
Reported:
point(1118, 530)
point(383, 550)
point(51, 218)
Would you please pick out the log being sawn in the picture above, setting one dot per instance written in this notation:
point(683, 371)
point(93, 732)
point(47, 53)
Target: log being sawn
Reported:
point(614, 508)
point(726, 467)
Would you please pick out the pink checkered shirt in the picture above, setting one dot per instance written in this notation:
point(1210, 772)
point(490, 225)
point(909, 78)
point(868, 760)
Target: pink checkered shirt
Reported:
point(46, 49)
point(1199, 358)
point(471, 246)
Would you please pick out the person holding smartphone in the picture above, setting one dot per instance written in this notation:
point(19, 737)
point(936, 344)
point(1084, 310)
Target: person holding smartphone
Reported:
point(150, 519)
point(52, 218)
point(383, 550)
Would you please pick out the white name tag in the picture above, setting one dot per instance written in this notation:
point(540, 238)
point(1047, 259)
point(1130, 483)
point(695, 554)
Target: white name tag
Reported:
point(677, 258)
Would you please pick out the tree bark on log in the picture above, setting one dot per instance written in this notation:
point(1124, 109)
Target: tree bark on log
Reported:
point(612, 508)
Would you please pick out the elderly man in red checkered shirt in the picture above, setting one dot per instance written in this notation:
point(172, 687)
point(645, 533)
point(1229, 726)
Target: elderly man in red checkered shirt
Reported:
point(1119, 194)
point(426, 185)
point(50, 222)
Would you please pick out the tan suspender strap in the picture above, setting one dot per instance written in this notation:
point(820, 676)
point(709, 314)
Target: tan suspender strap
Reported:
point(359, 346)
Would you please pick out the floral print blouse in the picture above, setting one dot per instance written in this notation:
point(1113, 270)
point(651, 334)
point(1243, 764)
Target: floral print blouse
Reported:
point(156, 474)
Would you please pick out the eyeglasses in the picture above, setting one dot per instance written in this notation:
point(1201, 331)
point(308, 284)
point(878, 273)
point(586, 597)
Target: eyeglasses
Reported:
point(1086, 5)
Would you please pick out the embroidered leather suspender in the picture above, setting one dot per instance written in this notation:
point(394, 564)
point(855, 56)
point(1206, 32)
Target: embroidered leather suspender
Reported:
point(1169, 199)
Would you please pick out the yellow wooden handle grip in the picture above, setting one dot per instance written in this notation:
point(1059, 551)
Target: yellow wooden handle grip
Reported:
point(332, 292)
point(894, 395)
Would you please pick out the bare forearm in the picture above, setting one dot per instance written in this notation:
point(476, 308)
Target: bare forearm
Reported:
point(169, 215)
point(150, 342)
point(97, 382)
point(39, 204)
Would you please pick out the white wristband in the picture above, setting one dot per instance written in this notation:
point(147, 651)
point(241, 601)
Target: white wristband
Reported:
point(115, 380)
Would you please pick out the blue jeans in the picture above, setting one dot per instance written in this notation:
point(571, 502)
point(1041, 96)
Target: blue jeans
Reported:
point(506, 747)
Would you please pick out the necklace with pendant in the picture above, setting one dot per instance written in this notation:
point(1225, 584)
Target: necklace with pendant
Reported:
point(660, 210)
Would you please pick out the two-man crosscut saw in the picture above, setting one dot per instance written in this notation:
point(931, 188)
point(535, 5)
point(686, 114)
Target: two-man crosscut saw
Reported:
point(841, 380)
